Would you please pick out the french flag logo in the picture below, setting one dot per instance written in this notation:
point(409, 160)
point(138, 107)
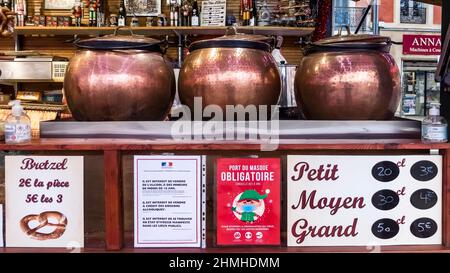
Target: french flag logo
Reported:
point(166, 164)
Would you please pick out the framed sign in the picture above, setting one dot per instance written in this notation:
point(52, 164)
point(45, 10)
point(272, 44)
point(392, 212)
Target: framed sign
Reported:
point(59, 4)
point(213, 12)
point(169, 193)
point(44, 201)
point(143, 7)
point(248, 201)
point(421, 44)
point(364, 200)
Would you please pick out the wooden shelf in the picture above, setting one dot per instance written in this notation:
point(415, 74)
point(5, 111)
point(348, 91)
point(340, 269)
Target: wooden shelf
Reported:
point(28, 81)
point(248, 250)
point(95, 31)
point(101, 144)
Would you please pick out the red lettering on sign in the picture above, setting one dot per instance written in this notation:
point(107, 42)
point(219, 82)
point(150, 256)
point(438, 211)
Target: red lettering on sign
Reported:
point(322, 173)
point(334, 203)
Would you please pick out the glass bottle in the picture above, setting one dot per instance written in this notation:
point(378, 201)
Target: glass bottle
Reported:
point(121, 21)
point(195, 20)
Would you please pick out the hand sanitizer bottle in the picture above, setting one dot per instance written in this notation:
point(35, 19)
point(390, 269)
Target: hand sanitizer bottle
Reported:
point(17, 125)
point(434, 127)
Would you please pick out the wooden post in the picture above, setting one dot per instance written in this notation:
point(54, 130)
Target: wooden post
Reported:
point(445, 96)
point(446, 198)
point(445, 110)
point(113, 200)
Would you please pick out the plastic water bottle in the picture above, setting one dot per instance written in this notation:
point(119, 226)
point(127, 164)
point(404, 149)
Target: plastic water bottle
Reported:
point(434, 127)
point(17, 125)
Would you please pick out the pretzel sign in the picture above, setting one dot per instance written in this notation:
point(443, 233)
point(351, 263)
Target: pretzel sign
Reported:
point(43, 220)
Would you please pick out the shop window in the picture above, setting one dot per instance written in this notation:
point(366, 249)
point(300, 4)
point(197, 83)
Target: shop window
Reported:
point(418, 87)
point(412, 12)
point(346, 15)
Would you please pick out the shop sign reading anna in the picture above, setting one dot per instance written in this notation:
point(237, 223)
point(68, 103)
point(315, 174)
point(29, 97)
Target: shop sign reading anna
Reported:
point(421, 44)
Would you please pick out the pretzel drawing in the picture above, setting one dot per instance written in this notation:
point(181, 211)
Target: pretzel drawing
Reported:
point(43, 221)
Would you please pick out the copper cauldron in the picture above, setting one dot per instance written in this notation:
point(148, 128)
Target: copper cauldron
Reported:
point(351, 77)
point(118, 78)
point(233, 70)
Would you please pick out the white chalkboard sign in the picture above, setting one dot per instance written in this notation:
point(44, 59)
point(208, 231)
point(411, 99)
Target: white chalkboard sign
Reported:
point(364, 200)
point(213, 13)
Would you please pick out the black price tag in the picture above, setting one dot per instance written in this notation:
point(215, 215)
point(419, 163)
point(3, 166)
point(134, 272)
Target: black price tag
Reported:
point(423, 227)
point(424, 170)
point(385, 199)
point(424, 199)
point(385, 171)
point(385, 228)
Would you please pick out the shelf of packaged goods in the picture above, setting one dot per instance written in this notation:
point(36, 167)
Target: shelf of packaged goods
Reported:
point(149, 31)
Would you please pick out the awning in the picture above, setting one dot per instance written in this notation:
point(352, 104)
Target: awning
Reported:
point(433, 2)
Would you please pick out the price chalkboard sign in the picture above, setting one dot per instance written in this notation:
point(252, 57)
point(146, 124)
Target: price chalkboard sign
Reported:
point(424, 170)
point(424, 199)
point(423, 227)
point(359, 200)
point(385, 199)
point(385, 171)
point(385, 228)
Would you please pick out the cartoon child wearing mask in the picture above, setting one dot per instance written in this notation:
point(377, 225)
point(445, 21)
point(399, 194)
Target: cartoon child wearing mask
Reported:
point(249, 202)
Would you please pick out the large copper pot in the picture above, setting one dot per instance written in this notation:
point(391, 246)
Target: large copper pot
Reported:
point(233, 70)
point(348, 78)
point(117, 78)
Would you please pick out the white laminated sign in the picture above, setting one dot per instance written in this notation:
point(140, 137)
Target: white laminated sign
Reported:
point(364, 200)
point(44, 201)
point(169, 197)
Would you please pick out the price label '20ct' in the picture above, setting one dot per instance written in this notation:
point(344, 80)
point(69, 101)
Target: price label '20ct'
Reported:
point(385, 171)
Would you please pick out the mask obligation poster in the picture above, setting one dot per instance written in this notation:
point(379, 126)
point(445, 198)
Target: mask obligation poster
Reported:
point(248, 201)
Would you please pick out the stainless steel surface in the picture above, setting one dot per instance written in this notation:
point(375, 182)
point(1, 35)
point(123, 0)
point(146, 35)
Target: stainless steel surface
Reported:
point(119, 85)
point(26, 69)
point(330, 129)
point(287, 74)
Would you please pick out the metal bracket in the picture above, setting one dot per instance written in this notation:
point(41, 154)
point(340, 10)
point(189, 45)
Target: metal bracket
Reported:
point(434, 151)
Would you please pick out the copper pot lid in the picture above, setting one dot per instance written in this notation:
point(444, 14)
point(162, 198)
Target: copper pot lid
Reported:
point(120, 42)
point(235, 40)
point(352, 41)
